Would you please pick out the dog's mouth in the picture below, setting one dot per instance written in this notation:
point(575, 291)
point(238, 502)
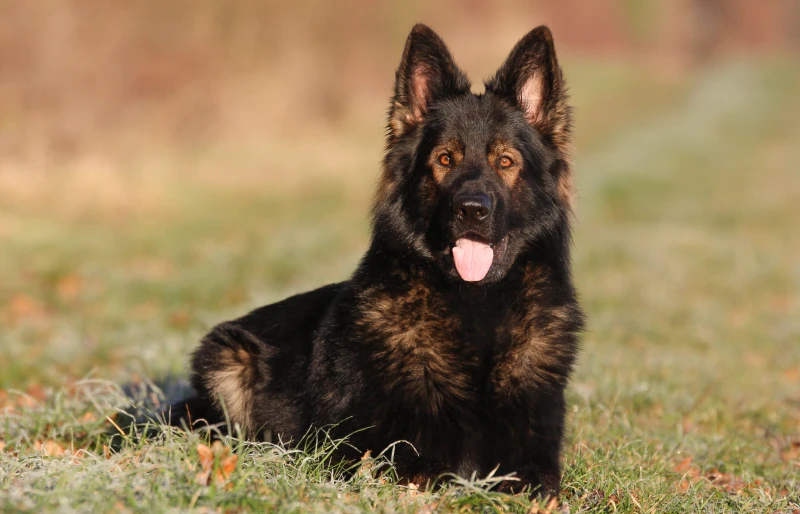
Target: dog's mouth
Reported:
point(473, 257)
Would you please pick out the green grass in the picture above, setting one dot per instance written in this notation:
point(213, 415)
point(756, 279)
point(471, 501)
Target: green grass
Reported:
point(687, 255)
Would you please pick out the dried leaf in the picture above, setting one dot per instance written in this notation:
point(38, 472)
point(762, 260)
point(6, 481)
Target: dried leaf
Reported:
point(550, 508)
point(366, 464)
point(37, 392)
point(179, 319)
point(121, 508)
point(69, 287)
point(22, 306)
point(206, 456)
point(684, 466)
point(217, 463)
point(792, 452)
point(412, 490)
point(33, 397)
point(88, 417)
point(692, 474)
point(51, 448)
point(791, 375)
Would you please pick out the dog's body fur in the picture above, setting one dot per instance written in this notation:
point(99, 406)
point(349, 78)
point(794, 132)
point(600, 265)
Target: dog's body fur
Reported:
point(472, 374)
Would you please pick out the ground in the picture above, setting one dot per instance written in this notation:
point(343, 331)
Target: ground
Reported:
point(687, 253)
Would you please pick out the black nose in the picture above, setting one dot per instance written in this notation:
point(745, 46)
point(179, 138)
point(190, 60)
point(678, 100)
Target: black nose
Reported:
point(472, 209)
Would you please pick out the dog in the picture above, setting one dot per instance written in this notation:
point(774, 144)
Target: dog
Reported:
point(459, 329)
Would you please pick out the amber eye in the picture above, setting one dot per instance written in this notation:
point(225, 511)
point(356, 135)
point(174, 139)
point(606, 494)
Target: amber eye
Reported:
point(444, 159)
point(505, 162)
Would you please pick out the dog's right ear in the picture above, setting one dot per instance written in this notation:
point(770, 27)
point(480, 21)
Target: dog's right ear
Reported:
point(427, 73)
point(531, 79)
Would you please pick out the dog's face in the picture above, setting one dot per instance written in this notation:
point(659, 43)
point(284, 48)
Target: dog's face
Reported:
point(473, 181)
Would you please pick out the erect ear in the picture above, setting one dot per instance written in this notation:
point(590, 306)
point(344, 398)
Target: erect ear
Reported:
point(532, 80)
point(427, 73)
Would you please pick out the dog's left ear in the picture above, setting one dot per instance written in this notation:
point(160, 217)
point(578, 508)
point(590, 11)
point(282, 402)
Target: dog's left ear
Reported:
point(427, 73)
point(531, 79)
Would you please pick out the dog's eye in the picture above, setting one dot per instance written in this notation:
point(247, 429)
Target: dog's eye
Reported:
point(505, 162)
point(444, 160)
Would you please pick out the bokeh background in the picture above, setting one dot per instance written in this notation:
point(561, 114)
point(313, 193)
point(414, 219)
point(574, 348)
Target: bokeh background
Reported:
point(167, 165)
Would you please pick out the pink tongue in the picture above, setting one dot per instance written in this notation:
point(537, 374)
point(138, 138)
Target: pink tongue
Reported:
point(473, 259)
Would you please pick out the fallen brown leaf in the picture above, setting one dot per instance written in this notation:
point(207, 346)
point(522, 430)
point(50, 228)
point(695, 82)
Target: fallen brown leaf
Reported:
point(792, 452)
point(217, 463)
point(366, 464)
point(77, 457)
point(179, 319)
point(684, 466)
point(33, 397)
point(791, 375)
point(727, 481)
point(23, 306)
point(69, 287)
point(51, 448)
point(120, 507)
point(412, 490)
point(26, 402)
point(88, 417)
point(551, 507)
point(37, 392)
point(692, 475)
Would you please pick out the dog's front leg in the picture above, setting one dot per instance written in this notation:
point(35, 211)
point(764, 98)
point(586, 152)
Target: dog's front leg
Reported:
point(542, 477)
point(421, 471)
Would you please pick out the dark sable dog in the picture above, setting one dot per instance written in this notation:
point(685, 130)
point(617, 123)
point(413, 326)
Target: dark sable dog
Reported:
point(458, 330)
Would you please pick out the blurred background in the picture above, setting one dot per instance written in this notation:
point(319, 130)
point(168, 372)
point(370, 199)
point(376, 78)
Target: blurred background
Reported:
point(167, 165)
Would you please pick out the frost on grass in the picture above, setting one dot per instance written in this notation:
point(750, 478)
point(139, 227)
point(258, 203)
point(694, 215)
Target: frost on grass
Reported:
point(76, 449)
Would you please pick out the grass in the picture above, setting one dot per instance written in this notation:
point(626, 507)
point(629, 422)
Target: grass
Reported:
point(686, 398)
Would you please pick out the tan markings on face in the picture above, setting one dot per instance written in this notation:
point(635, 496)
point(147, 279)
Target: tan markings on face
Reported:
point(444, 158)
point(506, 161)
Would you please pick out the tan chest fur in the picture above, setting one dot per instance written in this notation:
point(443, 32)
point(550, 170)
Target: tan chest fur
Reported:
point(421, 349)
point(417, 345)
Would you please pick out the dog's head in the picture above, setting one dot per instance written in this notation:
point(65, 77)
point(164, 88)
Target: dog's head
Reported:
point(471, 181)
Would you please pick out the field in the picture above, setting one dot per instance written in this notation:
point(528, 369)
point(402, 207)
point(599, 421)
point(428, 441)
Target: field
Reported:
point(687, 393)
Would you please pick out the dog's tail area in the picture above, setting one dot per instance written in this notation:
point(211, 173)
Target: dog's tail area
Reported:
point(167, 402)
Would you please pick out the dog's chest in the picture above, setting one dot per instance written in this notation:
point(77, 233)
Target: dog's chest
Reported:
point(438, 357)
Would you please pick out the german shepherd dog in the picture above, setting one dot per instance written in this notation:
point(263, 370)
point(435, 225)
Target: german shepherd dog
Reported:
point(459, 328)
